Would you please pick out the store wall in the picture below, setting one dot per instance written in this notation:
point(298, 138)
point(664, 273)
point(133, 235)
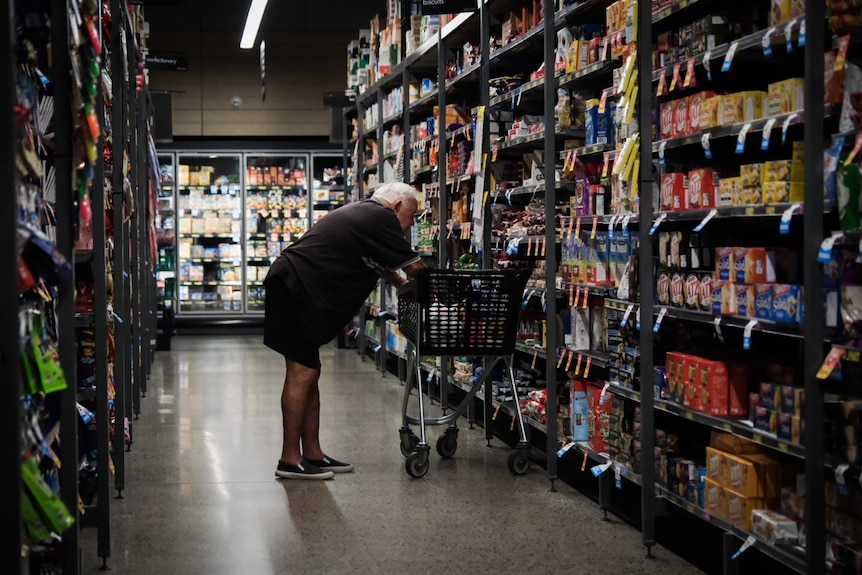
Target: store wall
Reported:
point(300, 68)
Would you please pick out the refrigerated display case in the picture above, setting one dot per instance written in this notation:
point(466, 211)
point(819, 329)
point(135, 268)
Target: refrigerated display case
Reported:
point(165, 224)
point(276, 212)
point(209, 230)
point(327, 184)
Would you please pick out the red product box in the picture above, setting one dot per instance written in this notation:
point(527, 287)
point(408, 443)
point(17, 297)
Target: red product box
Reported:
point(599, 418)
point(713, 387)
point(666, 120)
point(694, 104)
point(673, 191)
point(690, 380)
point(680, 118)
point(702, 186)
point(738, 389)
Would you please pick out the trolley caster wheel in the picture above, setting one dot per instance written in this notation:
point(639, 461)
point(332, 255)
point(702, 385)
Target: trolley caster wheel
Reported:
point(409, 441)
point(417, 464)
point(519, 461)
point(447, 444)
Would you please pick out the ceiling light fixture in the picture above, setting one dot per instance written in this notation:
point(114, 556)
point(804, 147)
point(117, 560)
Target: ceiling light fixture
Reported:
point(252, 23)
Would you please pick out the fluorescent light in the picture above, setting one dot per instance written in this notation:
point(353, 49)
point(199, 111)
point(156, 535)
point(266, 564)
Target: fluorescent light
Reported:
point(252, 23)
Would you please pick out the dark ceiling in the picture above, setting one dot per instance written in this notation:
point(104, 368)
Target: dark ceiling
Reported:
point(281, 16)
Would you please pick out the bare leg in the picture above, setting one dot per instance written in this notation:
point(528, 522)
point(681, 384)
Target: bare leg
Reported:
point(299, 381)
point(311, 425)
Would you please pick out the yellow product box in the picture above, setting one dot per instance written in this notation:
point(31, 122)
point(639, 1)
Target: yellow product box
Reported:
point(183, 175)
point(733, 444)
point(786, 96)
point(776, 171)
point(751, 174)
point(730, 109)
point(780, 11)
point(714, 499)
point(770, 470)
point(717, 465)
point(744, 476)
point(739, 508)
point(572, 57)
point(797, 162)
point(725, 196)
point(751, 196)
point(783, 192)
point(752, 105)
point(709, 108)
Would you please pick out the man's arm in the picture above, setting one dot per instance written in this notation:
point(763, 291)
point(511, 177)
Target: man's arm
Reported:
point(412, 269)
point(396, 279)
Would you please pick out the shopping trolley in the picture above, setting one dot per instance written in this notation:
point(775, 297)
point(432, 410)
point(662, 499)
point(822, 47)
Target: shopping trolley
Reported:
point(459, 313)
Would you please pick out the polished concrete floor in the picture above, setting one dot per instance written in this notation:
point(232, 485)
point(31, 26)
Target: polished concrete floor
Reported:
point(201, 497)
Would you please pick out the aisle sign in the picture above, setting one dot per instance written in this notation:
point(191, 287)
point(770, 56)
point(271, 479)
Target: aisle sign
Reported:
point(429, 7)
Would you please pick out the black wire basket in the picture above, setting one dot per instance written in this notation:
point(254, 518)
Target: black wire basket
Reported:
point(463, 312)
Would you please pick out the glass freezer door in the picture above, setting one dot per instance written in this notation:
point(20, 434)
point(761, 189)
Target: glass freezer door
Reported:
point(327, 184)
point(209, 229)
point(277, 214)
point(165, 224)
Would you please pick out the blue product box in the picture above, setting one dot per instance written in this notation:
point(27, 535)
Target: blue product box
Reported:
point(786, 303)
point(763, 301)
point(770, 396)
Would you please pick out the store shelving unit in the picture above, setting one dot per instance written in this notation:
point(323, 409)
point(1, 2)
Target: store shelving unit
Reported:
point(808, 217)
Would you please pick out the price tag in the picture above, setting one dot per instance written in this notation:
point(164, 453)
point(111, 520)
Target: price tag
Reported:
point(587, 368)
point(562, 451)
point(802, 32)
point(560, 359)
point(767, 132)
point(675, 79)
point(657, 223)
point(788, 35)
point(569, 362)
point(626, 221)
point(606, 165)
point(830, 363)
point(746, 334)
point(840, 470)
point(586, 298)
point(571, 296)
point(520, 93)
point(603, 102)
point(706, 65)
point(578, 228)
point(728, 59)
point(544, 246)
point(825, 254)
point(571, 223)
point(577, 297)
point(597, 470)
point(662, 312)
point(574, 158)
point(529, 246)
point(704, 142)
point(584, 462)
point(712, 213)
point(784, 226)
point(595, 225)
point(717, 323)
point(740, 140)
point(638, 319)
point(578, 365)
point(690, 77)
point(604, 395)
point(618, 482)
point(748, 543)
point(661, 149)
point(767, 42)
point(627, 315)
point(856, 147)
point(790, 119)
point(662, 83)
point(605, 45)
point(535, 358)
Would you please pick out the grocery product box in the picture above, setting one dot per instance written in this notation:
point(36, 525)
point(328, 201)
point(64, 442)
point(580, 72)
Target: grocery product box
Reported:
point(791, 428)
point(702, 186)
point(732, 444)
point(792, 401)
point(680, 118)
point(673, 192)
point(776, 171)
point(714, 499)
point(763, 301)
point(666, 125)
point(770, 396)
point(768, 471)
point(738, 390)
point(709, 110)
point(676, 290)
point(786, 303)
point(754, 265)
point(739, 508)
point(696, 121)
point(751, 175)
point(786, 96)
point(752, 105)
point(780, 11)
point(765, 419)
point(730, 109)
point(714, 387)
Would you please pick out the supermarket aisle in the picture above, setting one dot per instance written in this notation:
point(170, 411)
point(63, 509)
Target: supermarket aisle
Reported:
point(201, 496)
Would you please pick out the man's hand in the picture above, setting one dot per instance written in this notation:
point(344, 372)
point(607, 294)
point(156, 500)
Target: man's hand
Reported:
point(393, 278)
point(414, 268)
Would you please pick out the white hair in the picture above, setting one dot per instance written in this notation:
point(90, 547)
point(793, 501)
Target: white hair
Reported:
point(395, 191)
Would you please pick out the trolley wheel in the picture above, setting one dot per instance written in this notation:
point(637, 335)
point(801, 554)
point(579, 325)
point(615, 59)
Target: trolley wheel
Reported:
point(519, 461)
point(409, 441)
point(447, 444)
point(417, 464)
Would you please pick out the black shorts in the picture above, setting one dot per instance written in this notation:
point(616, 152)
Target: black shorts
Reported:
point(283, 329)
